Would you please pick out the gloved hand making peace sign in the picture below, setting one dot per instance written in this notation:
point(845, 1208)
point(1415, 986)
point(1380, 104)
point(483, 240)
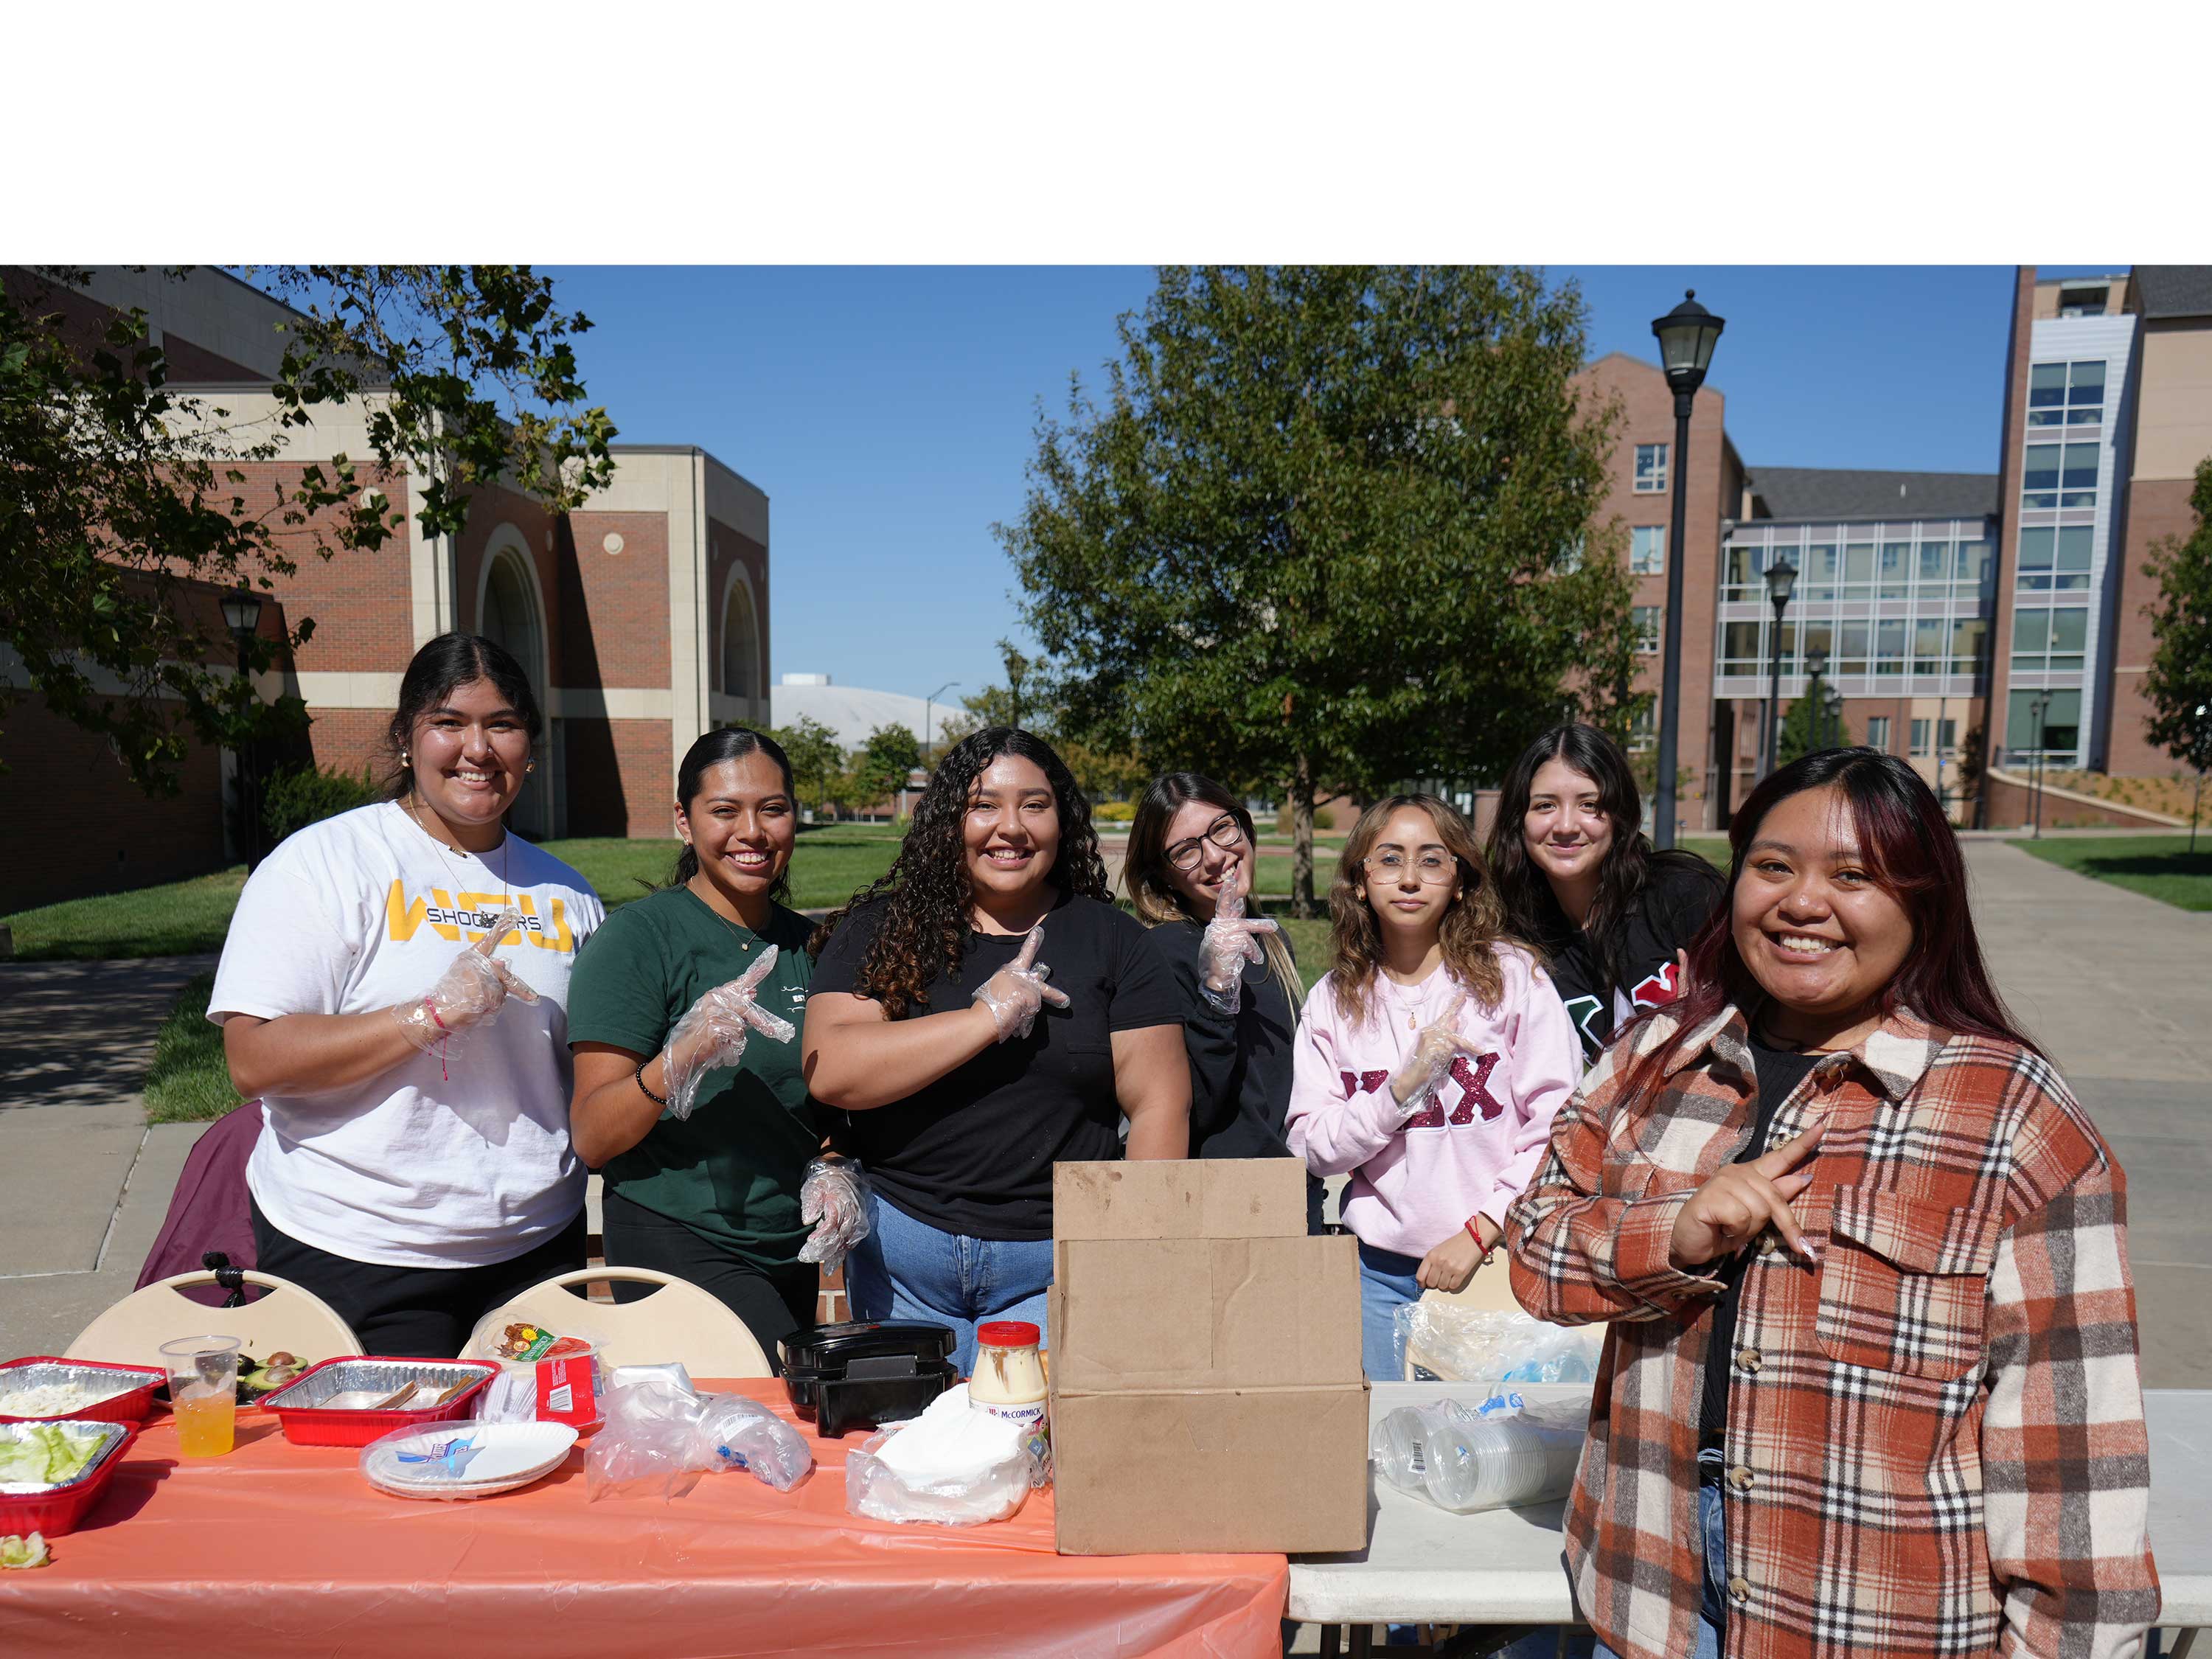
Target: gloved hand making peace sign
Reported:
point(1231, 941)
point(1434, 1050)
point(469, 994)
point(1018, 991)
point(712, 1034)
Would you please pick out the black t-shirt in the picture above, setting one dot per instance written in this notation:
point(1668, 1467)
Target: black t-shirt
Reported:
point(973, 1152)
point(1780, 1070)
point(1675, 904)
point(1240, 1063)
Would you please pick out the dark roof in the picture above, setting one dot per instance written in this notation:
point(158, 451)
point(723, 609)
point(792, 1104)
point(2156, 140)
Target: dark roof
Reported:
point(2175, 290)
point(1827, 492)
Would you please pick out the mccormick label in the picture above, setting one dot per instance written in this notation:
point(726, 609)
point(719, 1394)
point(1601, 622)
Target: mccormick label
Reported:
point(1036, 1433)
point(569, 1390)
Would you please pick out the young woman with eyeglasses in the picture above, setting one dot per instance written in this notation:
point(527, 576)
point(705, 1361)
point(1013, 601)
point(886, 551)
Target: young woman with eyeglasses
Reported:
point(1429, 1062)
point(1582, 883)
point(1189, 871)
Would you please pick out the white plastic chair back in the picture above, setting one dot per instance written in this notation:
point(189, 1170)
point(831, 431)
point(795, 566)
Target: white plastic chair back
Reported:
point(289, 1318)
point(677, 1321)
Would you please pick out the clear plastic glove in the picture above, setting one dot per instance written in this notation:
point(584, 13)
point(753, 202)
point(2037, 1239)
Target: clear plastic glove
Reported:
point(833, 1196)
point(469, 994)
point(712, 1034)
point(1434, 1050)
point(1018, 991)
point(1230, 942)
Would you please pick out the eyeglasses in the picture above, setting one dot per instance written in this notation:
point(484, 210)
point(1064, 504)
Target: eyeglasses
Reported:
point(1430, 869)
point(1223, 832)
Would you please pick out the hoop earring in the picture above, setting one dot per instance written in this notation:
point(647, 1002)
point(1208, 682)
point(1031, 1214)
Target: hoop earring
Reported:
point(528, 767)
point(404, 760)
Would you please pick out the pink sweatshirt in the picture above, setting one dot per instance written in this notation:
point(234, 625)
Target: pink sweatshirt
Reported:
point(1417, 1178)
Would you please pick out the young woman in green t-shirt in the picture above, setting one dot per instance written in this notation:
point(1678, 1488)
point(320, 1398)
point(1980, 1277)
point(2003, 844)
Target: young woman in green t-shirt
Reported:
point(688, 1096)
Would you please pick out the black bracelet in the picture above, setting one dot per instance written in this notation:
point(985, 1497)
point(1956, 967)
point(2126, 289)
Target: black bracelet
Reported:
point(639, 1075)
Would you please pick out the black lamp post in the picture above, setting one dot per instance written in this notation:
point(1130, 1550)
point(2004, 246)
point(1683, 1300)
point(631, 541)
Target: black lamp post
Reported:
point(2040, 704)
point(241, 614)
point(1780, 579)
point(1687, 335)
point(1816, 660)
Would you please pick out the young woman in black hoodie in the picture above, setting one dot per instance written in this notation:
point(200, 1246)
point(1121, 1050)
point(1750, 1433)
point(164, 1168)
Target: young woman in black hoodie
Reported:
point(1189, 873)
point(1582, 883)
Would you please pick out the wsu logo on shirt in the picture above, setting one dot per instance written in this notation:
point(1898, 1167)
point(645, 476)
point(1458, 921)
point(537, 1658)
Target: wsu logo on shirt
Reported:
point(1473, 1077)
point(469, 915)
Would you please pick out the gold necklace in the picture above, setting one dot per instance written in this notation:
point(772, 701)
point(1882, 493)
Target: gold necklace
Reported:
point(741, 931)
point(506, 856)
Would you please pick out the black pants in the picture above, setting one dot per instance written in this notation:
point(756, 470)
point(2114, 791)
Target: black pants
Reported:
point(413, 1313)
point(773, 1304)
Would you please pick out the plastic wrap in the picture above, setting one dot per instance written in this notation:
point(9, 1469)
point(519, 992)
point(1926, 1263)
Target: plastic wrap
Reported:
point(1229, 941)
point(659, 1439)
point(469, 994)
point(1451, 1344)
point(1500, 1455)
point(833, 1196)
point(1018, 991)
point(712, 1033)
point(954, 1466)
point(1438, 1044)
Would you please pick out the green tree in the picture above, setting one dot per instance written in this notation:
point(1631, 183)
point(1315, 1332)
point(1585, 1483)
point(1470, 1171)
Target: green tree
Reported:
point(1104, 773)
point(1797, 737)
point(881, 767)
point(2179, 682)
point(1324, 531)
point(816, 756)
point(123, 505)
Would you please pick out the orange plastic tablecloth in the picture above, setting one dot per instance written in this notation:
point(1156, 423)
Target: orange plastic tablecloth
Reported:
point(284, 1549)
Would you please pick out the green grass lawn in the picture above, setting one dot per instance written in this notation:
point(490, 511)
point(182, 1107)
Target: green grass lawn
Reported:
point(187, 1081)
point(174, 920)
point(2160, 867)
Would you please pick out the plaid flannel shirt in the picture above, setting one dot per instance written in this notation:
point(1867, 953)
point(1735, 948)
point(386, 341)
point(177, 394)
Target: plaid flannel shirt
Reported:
point(1935, 1442)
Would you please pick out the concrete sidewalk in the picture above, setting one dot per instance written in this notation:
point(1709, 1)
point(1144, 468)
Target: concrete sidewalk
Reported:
point(84, 1180)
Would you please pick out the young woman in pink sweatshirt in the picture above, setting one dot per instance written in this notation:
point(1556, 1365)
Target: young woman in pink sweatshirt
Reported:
point(1430, 1061)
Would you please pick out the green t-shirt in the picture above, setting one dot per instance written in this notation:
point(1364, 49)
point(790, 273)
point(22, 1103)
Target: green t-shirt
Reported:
point(730, 1171)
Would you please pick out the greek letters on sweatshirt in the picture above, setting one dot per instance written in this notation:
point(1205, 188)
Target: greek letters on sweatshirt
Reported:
point(1420, 1173)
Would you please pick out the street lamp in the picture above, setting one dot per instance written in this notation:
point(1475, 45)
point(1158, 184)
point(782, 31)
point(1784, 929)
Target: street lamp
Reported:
point(1781, 578)
point(1816, 659)
point(1687, 335)
point(2039, 705)
point(928, 733)
point(241, 614)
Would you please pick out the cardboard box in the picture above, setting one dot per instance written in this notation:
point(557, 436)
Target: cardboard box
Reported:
point(1206, 1391)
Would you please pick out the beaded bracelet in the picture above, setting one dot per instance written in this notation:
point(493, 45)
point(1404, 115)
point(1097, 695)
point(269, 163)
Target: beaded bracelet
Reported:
point(639, 1075)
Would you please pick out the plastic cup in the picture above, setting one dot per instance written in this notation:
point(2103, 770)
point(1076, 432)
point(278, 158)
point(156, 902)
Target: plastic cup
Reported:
point(204, 1393)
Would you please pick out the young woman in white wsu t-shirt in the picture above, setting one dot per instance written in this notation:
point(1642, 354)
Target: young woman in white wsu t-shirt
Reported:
point(413, 1180)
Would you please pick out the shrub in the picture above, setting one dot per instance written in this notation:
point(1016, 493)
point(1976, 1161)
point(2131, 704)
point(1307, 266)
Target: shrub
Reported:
point(301, 795)
point(1114, 811)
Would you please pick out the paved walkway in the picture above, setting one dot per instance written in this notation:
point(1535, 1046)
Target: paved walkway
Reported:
point(84, 1180)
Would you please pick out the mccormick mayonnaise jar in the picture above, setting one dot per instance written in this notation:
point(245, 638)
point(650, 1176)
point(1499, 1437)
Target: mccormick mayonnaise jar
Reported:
point(1009, 1380)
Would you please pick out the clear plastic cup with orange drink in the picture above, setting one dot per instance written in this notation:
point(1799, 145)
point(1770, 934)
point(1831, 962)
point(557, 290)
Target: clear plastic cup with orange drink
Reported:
point(204, 1393)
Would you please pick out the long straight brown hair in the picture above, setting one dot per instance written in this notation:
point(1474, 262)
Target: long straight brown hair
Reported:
point(1149, 878)
point(1473, 927)
point(1912, 854)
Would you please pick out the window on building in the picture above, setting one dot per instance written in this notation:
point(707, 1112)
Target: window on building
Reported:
point(1740, 570)
point(2048, 640)
point(1641, 736)
point(2059, 475)
point(1647, 550)
point(2054, 559)
point(1934, 560)
point(2066, 394)
point(1818, 637)
point(1929, 654)
point(1973, 564)
point(1878, 732)
point(1858, 569)
point(1896, 570)
point(1852, 639)
point(1924, 738)
point(1650, 469)
point(1647, 619)
point(2083, 302)
point(1818, 571)
point(1947, 736)
point(1740, 648)
point(1571, 557)
point(2056, 733)
point(1968, 635)
point(1889, 639)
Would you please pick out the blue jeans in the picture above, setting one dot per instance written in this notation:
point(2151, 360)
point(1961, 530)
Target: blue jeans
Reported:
point(907, 1269)
point(1386, 1284)
point(1712, 1616)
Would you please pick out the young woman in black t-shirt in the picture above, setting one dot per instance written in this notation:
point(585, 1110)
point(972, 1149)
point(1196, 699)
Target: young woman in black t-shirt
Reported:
point(1581, 881)
point(979, 1014)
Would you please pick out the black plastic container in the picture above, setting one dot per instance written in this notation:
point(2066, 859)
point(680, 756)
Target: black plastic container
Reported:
point(868, 1373)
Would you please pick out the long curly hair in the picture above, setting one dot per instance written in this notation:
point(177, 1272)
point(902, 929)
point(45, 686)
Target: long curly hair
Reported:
point(928, 902)
point(1473, 926)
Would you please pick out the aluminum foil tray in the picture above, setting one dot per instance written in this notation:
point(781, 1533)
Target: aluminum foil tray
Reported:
point(103, 1383)
point(357, 1384)
point(112, 1437)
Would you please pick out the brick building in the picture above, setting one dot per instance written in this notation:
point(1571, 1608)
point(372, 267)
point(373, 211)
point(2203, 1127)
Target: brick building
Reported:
point(642, 620)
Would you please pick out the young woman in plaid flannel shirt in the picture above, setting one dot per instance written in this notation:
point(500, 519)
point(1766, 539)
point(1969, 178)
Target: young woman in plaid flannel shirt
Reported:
point(1871, 1386)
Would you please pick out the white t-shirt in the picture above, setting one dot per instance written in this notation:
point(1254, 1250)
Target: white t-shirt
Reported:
point(425, 1165)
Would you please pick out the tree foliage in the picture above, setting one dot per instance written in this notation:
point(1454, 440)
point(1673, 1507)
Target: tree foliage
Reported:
point(1807, 729)
point(2179, 682)
point(1322, 530)
point(124, 507)
point(884, 761)
point(816, 759)
point(1030, 700)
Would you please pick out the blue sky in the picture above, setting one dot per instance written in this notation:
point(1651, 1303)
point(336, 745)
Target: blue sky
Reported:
point(888, 411)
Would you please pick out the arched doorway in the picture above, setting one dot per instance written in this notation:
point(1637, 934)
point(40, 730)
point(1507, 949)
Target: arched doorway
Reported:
point(741, 663)
point(509, 614)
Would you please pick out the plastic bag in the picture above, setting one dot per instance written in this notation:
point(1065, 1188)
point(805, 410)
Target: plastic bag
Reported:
point(972, 1467)
point(659, 1439)
point(1452, 1344)
point(1500, 1455)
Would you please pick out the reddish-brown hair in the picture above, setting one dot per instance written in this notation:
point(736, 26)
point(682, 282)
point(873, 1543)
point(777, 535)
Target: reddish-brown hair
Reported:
point(1912, 853)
